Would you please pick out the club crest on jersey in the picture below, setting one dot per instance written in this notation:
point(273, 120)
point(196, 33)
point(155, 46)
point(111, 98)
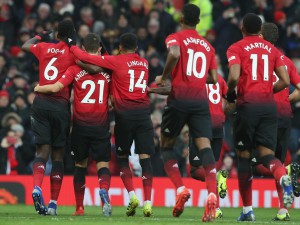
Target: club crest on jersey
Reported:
point(258, 45)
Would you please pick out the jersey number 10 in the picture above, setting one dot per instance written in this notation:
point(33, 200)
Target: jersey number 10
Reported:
point(191, 67)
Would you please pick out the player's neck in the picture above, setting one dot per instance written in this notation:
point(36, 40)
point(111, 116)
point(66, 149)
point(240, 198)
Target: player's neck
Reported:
point(186, 27)
point(124, 52)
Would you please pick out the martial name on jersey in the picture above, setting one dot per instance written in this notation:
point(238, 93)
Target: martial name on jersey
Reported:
point(258, 45)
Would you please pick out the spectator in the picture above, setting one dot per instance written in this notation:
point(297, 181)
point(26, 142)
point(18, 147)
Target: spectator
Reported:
point(19, 106)
point(43, 12)
point(14, 152)
point(4, 103)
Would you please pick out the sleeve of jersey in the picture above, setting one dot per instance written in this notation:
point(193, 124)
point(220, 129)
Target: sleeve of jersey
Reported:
point(279, 59)
point(103, 61)
point(171, 41)
point(233, 56)
point(213, 63)
point(35, 49)
point(294, 76)
point(68, 77)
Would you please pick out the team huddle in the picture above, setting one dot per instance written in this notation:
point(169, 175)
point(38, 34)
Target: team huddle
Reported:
point(198, 96)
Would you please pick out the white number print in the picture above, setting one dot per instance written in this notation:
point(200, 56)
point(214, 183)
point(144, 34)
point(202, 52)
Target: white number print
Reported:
point(265, 58)
point(140, 82)
point(52, 68)
point(276, 77)
point(191, 67)
point(213, 93)
point(87, 99)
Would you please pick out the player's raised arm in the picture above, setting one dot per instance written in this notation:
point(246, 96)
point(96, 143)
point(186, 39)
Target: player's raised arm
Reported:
point(103, 61)
point(90, 68)
point(43, 36)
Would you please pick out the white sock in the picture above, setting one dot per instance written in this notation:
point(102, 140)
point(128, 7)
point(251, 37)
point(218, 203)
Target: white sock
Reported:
point(145, 202)
point(280, 181)
point(180, 189)
point(53, 201)
point(282, 211)
point(131, 194)
point(247, 209)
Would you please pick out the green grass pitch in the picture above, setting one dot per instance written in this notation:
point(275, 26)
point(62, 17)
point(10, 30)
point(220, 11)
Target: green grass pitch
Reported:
point(25, 215)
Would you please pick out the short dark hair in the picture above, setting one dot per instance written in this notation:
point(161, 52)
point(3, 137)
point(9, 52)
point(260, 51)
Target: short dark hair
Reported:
point(191, 14)
point(91, 42)
point(252, 23)
point(128, 41)
point(270, 32)
point(65, 28)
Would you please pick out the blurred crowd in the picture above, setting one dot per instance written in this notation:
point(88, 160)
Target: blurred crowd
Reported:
point(152, 21)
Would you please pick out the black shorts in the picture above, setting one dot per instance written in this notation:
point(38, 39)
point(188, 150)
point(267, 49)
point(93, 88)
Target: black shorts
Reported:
point(139, 131)
point(198, 120)
point(283, 136)
point(254, 126)
point(216, 146)
point(50, 127)
point(94, 140)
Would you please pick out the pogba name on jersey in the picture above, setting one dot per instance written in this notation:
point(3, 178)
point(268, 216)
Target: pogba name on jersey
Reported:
point(197, 41)
point(137, 63)
point(258, 45)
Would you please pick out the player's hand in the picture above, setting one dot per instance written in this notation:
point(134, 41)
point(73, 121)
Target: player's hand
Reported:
point(159, 81)
point(71, 40)
point(36, 88)
point(44, 35)
point(231, 97)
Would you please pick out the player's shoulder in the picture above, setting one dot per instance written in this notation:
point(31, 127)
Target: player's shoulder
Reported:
point(287, 61)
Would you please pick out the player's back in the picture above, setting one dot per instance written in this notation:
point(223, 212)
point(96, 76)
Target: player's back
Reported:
point(91, 94)
point(282, 98)
point(189, 75)
point(216, 93)
point(129, 86)
point(258, 59)
point(54, 60)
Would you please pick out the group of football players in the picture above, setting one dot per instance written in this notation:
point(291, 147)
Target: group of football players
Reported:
point(198, 97)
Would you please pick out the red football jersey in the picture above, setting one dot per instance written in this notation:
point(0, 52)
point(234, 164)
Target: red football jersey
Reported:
point(216, 93)
point(91, 93)
point(54, 60)
point(197, 57)
point(282, 98)
point(129, 81)
point(258, 59)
